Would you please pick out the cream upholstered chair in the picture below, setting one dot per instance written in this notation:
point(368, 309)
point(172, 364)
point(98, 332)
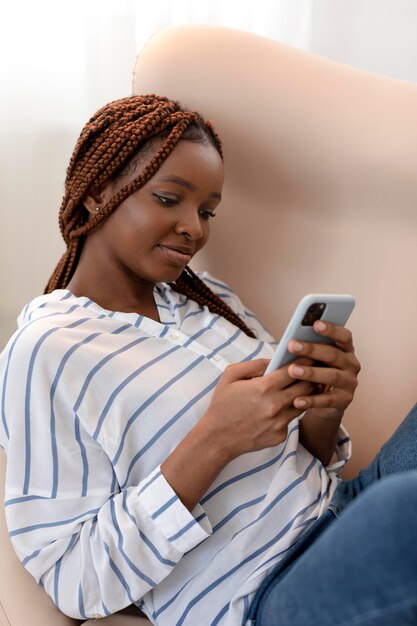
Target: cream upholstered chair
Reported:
point(320, 196)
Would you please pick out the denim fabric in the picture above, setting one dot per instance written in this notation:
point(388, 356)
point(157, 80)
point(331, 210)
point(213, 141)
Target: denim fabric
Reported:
point(357, 565)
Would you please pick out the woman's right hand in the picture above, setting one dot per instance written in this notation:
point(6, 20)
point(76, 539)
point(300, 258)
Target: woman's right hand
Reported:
point(249, 411)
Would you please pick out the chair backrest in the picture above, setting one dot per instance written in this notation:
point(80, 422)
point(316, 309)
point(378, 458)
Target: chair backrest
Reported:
point(320, 194)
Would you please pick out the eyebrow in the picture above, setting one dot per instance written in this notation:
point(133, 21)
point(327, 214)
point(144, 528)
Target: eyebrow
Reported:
point(186, 183)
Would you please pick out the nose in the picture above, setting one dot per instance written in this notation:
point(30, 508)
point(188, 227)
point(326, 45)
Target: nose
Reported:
point(190, 226)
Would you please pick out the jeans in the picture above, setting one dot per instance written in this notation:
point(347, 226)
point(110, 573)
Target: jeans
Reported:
point(357, 565)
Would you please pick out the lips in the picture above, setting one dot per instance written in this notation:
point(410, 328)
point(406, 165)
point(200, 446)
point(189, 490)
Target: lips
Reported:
point(178, 255)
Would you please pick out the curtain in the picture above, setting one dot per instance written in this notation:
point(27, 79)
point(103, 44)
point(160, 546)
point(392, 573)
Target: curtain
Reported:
point(60, 61)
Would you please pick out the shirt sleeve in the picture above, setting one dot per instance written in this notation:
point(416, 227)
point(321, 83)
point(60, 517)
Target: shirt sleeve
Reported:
point(94, 547)
point(341, 454)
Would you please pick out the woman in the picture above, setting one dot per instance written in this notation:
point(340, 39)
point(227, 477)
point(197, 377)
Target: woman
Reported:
point(149, 461)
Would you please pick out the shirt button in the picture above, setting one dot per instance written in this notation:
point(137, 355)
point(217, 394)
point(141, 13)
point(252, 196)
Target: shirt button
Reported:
point(175, 335)
point(217, 357)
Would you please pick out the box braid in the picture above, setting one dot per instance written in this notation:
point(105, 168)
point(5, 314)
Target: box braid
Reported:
point(106, 146)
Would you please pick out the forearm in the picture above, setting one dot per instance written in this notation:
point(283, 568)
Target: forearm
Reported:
point(319, 434)
point(194, 464)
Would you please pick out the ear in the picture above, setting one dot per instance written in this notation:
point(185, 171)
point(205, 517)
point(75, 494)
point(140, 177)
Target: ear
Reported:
point(92, 203)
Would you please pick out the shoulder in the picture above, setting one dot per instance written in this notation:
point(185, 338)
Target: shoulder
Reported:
point(48, 327)
point(219, 287)
point(227, 293)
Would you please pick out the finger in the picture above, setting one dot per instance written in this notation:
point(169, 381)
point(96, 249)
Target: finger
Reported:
point(301, 389)
point(325, 376)
point(281, 377)
point(245, 370)
point(341, 336)
point(329, 355)
point(337, 399)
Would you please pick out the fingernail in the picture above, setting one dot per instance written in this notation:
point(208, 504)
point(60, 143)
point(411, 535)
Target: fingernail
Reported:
point(297, 347)
point(299, 404)
point(298, 371)
point(320, 326)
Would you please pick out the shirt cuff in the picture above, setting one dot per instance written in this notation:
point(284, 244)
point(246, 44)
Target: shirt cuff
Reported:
point(184, 530)
point(342, 452)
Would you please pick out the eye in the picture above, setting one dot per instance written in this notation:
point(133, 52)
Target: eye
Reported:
point(165, 200)
point(206, 215)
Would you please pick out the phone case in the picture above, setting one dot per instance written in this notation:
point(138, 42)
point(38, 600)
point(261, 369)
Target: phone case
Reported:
point(337, 308)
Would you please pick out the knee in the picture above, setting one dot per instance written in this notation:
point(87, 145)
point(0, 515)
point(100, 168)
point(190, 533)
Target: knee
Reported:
point(389, 506)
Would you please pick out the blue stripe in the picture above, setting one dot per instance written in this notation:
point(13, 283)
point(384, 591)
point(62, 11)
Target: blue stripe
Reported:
point(103, 362)
point(164, 507)
point(118, 574)
point(167, 604)
point(194, 313)
point(28, 393)
point(218, 284)
point(56, 580)
point(146, 485)
point(195, 337)
point(81, 602)
point(255, 554)
point(24, 499)
point(225, 344)
point(84, 458)
point(282, 552)
point(139, 321)
point(132, 566)
point(114, 483)
point(164, 331)
point(3, 413)
point(220, 615)
point(234, 569)
point(144, 538)
point(180, 305)
point(290, 487)
point(183, 530)
point(31, 556)
point(28, 529)
point(246, 606)
point(125, 382)
point(215, 319)
point(52, 416)
point(237, 510)
point(168, 425)
point(151, 399)
point(105, 609)
point(250, 472)
point(121, 330)
point(254, 353)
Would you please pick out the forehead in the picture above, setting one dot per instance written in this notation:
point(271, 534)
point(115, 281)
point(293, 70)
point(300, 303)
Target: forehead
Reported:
point(188, 159)
point(193, 157)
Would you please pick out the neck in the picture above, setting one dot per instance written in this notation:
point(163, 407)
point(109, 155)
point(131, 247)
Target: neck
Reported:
point(98, 278)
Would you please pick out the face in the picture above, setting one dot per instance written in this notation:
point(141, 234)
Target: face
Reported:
point(157, 230)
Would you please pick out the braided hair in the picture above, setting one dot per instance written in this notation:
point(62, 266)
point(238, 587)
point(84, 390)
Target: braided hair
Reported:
point(105, 148)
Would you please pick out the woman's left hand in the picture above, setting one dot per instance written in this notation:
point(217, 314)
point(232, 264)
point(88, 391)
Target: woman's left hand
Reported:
point(339, 378)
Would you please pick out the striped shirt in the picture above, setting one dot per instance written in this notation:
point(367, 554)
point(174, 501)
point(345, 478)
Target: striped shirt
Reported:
point(92, 402)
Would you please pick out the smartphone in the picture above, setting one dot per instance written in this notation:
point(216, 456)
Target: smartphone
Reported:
point(334, 308)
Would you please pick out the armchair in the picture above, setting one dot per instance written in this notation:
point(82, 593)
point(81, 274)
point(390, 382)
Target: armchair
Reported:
point(319, 196)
